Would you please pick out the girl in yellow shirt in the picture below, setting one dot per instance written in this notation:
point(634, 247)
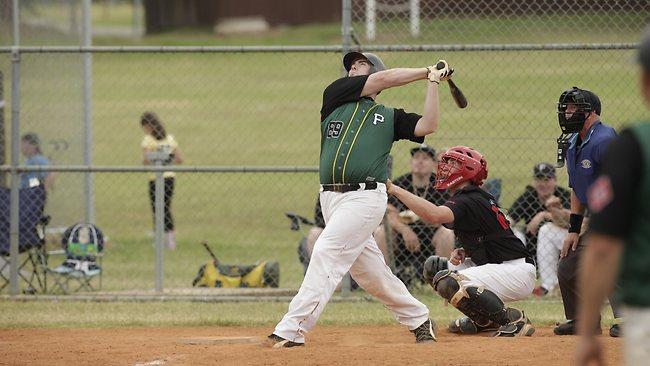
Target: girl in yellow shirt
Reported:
point(157, 139)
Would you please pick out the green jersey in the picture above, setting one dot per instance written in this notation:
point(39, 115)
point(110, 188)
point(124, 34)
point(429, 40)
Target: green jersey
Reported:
point(620, 199)
point(357, 134)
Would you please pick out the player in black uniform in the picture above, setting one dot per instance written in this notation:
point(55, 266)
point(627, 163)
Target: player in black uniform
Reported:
point(492, 266)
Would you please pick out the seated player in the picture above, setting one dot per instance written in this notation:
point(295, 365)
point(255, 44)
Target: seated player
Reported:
point(492, 266)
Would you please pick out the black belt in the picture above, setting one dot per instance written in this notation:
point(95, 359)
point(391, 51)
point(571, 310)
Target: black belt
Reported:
point(349, 187)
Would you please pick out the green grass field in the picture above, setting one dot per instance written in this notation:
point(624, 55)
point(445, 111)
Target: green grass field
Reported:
point(262, 109)
point(156, 314)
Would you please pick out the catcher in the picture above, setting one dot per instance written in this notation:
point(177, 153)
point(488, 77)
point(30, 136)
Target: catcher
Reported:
point(492, 266)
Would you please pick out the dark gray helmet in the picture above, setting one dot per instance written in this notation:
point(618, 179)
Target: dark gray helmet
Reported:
point(375, 61)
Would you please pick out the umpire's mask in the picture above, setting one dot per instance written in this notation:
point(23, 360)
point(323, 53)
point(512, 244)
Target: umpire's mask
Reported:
point(585, 102)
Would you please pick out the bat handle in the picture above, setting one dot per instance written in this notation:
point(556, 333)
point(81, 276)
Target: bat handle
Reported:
point(214, 257)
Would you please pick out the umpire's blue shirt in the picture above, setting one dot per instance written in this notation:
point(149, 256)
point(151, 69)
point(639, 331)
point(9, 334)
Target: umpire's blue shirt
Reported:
point(583, 161)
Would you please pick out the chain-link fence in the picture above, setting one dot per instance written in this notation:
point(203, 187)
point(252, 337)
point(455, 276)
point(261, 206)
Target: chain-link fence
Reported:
point(245, 123)
point(524, 55)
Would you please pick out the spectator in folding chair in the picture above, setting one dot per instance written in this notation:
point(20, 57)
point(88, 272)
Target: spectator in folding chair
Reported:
point(530, 207)
point(30, 146)
point(83, 245)
point(31, 238)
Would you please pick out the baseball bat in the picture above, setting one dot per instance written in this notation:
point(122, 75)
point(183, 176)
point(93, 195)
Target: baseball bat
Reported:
point(456, 93)
point(214, 257)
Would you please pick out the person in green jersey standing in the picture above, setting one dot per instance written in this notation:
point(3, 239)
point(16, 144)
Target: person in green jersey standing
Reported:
point(357, 134)
point(619, 238)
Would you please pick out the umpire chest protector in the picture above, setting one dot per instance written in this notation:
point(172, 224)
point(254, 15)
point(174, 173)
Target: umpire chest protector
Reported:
point(355, 142)
point(583, 160)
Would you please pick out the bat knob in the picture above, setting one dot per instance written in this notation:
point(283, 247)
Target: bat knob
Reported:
point(440, 65)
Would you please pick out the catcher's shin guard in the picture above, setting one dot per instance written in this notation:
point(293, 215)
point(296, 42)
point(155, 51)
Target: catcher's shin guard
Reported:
point(480, 305)
point(433, 265)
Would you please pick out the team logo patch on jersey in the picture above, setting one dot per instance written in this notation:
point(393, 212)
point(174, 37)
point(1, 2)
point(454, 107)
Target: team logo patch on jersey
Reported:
point(586, 164)
point(378, 119)
point(600, 194)
point(334, 129)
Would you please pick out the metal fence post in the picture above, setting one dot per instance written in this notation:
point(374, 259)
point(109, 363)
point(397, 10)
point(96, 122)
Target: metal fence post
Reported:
point(347, 29)
point(159, 215)
point(15, 151)
point(86, 41)
point(346, 25)
point(3, 138)
point(158, 157)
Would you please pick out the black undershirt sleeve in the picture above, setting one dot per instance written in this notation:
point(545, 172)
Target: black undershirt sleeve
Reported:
point(622, 164)
point(405, 126)
point(341, 91)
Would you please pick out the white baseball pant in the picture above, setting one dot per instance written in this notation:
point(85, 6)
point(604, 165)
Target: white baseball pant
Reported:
point(347, 244)
point(549, 244)
point(510, 281)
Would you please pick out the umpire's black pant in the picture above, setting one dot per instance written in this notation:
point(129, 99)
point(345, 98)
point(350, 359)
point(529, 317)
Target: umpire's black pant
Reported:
point(567, 274)
point(169, 192)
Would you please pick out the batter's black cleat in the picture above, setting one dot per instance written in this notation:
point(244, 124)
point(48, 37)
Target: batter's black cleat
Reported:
point(275, 341)
point(615, 331)
point(520, 326)
point(465, 325)
point(424, 333)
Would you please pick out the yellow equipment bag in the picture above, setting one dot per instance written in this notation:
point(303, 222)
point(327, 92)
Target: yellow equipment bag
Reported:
point(214, 274)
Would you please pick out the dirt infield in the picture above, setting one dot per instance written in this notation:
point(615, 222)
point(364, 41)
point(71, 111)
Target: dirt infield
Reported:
point(327, 345)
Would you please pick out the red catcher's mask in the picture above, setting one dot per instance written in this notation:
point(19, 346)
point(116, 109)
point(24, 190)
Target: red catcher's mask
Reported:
point(461, 164)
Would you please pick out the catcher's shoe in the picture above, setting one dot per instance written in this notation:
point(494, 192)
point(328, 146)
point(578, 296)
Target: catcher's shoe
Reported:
point(516, 328)
point(275, 341)
point(466, 325)
point(615, 331)
point(424, 333)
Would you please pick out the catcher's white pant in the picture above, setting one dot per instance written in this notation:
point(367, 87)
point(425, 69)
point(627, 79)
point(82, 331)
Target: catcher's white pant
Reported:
point(347, 244)
point(510, 281)
point(549, 244)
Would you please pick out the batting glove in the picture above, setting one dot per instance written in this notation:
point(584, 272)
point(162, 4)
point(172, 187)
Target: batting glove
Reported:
point(440, 72)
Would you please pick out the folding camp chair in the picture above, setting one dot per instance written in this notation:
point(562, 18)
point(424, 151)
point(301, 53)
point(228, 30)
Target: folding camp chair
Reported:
point(32, 265)
point(82, 269)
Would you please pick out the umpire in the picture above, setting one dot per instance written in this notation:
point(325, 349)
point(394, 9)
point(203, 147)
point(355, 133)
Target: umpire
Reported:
point(620, 236)
point(579, 114)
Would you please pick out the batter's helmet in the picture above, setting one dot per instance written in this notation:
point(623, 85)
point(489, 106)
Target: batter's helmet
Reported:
point(375, 61)
point(585, 102)
point(461, 164)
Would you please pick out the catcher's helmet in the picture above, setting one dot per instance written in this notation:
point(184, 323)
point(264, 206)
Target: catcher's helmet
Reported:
point(461, 164)
point(375, 61)
point(585, 102)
